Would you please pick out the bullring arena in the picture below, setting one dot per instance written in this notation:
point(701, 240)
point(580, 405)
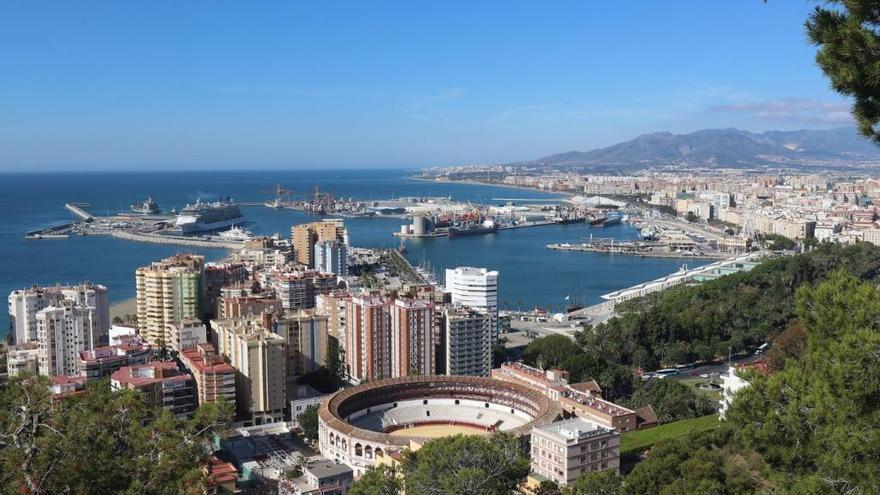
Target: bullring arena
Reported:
point(358, 424)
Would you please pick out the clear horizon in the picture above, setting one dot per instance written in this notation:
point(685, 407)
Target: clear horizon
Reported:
point(213, 85)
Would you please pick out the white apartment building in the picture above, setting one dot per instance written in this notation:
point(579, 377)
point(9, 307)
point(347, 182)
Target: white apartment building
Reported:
point(467, 342)
point(25, 303)
point(566, 450)
point(24, 358)
point(331, 257)
point(62, 333)
point(476, 288)
point(186, 334)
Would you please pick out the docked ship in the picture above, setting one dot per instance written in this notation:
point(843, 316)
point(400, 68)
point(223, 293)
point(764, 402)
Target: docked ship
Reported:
point(148, 207)
point(607, 221)
point(236, 234)
point(487, 227)
point(563, 220)
point(201, 217)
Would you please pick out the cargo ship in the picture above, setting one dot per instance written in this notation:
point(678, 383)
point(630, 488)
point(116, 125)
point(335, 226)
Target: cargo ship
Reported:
point(148, 207)
point(568, 220)
point(606, 221)
point(487, 227)
point(597, 222)
point(201, 217)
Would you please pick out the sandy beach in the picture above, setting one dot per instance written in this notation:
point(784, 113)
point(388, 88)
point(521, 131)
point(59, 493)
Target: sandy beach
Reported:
point(122, 308)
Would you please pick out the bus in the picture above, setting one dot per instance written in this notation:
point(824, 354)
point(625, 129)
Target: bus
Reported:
point(665, 372)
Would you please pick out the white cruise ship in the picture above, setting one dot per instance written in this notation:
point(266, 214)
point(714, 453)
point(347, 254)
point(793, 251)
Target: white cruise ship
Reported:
point(201, 217)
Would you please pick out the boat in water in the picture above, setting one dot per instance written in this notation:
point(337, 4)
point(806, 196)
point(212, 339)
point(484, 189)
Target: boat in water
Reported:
point(568, 220)
point(202, 217)
point(236, 234)
point(487, 227)
point(607, 221)
point(597, 222)
point(148, 207)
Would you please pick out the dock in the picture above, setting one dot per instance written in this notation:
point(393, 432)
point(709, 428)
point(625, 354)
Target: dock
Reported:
point(642, 249)
point(155, 238)
point(445, 233)
point(601, 312)
point(126, 226)
point(77, 209)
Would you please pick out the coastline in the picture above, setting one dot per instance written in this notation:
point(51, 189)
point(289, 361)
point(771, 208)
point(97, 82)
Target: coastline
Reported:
point(565, 195)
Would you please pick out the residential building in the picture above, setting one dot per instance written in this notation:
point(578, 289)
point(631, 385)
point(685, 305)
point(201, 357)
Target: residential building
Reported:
point(63, 331)
point(467, 341)
point(243, 306)
point(412, 337)
point(24, 304)
point(306, 335)
point(332, 305)
point(65, 386)
point(121, 333)
point(23, 358)
point(101, 362)
point(217, 276)
point(260, 361)
point(214, 377)
point(186, 334)
point(331, 256)
point(168, 291)
point(321, 477)
point(162, 384)
point(476, 288)
point(305, 236)
point(368, 338)
point(297, 290)
point(566, 450)
point(302, 398)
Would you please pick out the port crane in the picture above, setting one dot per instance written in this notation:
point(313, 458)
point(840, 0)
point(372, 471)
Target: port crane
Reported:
point(280, 194)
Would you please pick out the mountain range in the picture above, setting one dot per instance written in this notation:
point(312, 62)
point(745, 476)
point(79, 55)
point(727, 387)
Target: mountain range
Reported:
point(725, 148)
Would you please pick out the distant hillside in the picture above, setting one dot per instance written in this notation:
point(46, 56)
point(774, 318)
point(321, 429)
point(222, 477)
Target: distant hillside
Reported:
point(725, 147)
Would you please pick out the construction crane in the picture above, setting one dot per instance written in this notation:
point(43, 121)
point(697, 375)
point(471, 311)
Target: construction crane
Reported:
point(280, 194)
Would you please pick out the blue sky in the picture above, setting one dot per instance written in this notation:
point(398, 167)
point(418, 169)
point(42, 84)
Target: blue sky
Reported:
point(125, 85)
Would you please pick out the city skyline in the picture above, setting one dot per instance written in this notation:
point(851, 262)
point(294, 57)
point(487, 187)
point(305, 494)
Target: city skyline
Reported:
point(352, 86)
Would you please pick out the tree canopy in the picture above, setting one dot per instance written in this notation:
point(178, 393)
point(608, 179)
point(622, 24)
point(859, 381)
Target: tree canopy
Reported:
point(308, 422)
point(671, 400)
point(109, 442)
point(457, 465)
point(848, 37)
point(379, 480)
point(816, 421)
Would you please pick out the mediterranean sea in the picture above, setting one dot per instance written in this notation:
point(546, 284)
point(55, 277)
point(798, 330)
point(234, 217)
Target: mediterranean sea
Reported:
point(530, 274)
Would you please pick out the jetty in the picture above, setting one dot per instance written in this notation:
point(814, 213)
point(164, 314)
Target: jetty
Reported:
point(77, 209)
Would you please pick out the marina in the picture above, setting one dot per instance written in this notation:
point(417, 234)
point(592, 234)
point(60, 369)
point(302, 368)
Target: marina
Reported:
point(111, 258)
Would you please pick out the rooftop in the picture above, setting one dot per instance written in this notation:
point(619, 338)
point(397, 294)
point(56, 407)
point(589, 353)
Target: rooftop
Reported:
point(572, 429)
point(326, 468)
